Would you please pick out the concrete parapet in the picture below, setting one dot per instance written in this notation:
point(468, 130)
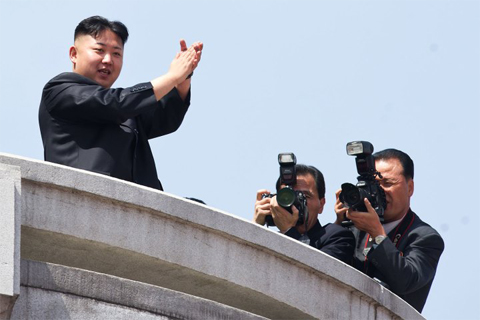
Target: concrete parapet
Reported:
point(52, 291)
point(93, 222)
point(10, 213)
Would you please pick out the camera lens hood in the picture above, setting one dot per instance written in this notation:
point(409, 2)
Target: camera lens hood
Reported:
point(286, 197)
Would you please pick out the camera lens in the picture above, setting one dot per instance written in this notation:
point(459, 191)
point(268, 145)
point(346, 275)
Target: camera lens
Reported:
point(286, 197)
point(350, 195)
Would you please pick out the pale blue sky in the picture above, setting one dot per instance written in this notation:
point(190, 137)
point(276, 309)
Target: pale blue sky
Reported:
point(289, 76)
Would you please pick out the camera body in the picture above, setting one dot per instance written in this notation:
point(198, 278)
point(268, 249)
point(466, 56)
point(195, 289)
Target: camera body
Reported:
point(286, 196)
point(367, 186)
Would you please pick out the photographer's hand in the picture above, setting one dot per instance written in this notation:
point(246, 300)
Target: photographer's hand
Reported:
point(340, 209)
point(262, 207)
point(367, 221)
point(284, 220)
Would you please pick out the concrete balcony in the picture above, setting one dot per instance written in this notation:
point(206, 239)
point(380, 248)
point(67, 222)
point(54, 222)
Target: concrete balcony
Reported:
point(76, 244)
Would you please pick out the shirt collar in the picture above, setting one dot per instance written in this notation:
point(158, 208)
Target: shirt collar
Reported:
point(391, 225)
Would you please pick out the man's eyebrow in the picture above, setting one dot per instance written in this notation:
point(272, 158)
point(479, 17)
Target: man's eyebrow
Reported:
point(307, 192)
point(104, 44)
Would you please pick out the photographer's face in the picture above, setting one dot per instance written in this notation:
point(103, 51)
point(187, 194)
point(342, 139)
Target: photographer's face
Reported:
point(306, 184)
point(398, 190)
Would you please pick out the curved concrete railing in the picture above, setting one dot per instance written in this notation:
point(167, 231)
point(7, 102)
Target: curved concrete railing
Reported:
point(59, 292)
point(79, 219)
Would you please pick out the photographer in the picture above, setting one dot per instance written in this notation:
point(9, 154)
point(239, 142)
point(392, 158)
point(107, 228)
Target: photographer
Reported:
point(331, 238)
point(404, 251)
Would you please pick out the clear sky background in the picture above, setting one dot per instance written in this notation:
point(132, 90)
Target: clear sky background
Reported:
point(289, 76)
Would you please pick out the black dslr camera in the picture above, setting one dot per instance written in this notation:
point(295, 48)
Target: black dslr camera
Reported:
point(367, 186)
point(286, 196)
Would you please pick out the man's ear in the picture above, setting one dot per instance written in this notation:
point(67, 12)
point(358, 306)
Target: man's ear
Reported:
point(73, 55)
point(322, 204)
point(410, 185)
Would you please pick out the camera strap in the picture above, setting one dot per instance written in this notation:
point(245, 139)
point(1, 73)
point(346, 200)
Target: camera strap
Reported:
point(402, 228)
point(395, 236)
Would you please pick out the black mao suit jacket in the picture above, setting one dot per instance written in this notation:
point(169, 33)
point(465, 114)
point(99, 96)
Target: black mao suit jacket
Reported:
point(86, 126)
point(331, 239)
point(406, 261)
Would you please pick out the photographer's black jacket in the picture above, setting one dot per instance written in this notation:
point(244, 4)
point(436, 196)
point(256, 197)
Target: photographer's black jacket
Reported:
point(406, 261)
point(332, 239)
point(86, 126)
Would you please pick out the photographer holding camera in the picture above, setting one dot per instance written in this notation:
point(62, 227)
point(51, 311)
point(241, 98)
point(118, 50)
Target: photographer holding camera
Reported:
point(402, 252)
point(309, 186)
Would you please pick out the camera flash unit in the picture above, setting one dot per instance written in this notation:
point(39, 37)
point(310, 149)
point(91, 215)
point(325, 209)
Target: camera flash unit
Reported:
point(359, 147)
point(287, 158)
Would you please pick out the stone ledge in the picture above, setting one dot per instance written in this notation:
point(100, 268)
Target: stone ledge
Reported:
point(65, 206)
point(120, 293)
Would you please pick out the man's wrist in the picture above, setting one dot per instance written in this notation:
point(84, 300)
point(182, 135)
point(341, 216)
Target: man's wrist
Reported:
point(379, 239)
point(285, 230)
point(259, 220)
point(376, 231)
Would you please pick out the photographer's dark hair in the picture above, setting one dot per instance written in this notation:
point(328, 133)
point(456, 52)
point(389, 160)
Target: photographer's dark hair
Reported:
point(303, 170)
point(405, 160)
point(95, 25)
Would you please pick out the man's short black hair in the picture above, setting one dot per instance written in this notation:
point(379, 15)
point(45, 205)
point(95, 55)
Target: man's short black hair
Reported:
point(303, 170)
point(95, 25)
point(402, 157)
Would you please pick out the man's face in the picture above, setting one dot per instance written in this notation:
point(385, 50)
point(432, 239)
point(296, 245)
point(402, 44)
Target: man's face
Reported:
point(99, 59)
point(397, 189)
point(306, 184)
